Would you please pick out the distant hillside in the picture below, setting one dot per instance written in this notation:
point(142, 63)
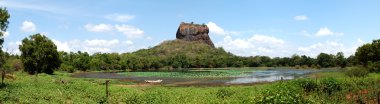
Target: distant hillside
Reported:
point(193, 48)
point(185, 54)
point(173, 47)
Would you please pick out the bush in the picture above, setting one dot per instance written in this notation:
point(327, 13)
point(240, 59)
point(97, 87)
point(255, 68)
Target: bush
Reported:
point(330, 85)
point(307, 85)
point(133, 99)
point(374, 66)
point(224, 93)
point(68, 68)
point(155, 96)
point(280, 94)
point(357, 72)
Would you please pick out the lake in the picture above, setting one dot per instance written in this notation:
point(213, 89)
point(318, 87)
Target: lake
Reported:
point(205, 77)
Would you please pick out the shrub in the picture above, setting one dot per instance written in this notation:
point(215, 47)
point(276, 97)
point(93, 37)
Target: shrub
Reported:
point(357, 72)
point(307, 85)
point(67, 68)
point(224, 93)
point(374, 66)
point(154, 96)
point(330, 85)
point(280, 94)
point(133, 99)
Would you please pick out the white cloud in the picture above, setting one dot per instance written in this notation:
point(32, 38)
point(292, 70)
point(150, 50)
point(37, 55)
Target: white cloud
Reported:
point(330, 47)
point(90, 46)
point(327, 32)
point(28, 26)
point(360, 41)
point(215, 29)
point(130, 31)
point(99, 27)
point(266, 39)
point(102, 43)
point(96, 45)
point(62, 46)
point(255, 45)
point(128, 42)
point(265, 45)
point(12, 47)
point(120, 17)
point(300, 18)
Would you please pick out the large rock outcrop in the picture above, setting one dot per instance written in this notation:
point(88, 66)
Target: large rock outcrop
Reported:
point(194, 32)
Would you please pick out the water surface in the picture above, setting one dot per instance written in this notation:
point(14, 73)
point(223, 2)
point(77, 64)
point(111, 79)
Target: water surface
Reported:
point(244, 77)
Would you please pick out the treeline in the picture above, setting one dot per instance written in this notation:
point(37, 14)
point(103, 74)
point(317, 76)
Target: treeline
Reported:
point(174, 55)
point(178, 55)
point(131, 61)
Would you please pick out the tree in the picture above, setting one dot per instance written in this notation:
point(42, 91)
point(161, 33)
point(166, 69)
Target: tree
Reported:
point(351, 60)
point(340, 60)
point(368, 53)
point(4, 16)
point(39, 54)
point(325, 60)
point(81, 61)
point(113, 59)
point(295, 60)
point(306, 60)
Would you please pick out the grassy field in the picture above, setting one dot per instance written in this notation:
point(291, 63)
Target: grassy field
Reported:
point(328, 87)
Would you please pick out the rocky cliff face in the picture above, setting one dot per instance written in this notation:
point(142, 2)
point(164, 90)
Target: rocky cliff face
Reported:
point(194, 32)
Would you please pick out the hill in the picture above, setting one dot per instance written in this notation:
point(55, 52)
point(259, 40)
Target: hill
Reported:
point(175, 47)
point(180, 54)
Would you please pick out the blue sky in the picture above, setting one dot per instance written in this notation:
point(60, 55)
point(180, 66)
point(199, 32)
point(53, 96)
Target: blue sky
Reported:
point(246, 27)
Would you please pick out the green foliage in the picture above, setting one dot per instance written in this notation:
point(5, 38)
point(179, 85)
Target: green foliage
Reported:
point(308, 85)
point(325, 60)
point(4, 16)
point(60, 88)
point(81, 62)
point(224, 93)
point(155, 97)
point(39, 54)
point(330, 85)
point(67, 68)
point(180, 54)
point(75, 61)
point(374, 66)
point(357, 72)
point(99, 61)
point(340, 60)
point(368, 53)
point(177, 55)
point(280, 94)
